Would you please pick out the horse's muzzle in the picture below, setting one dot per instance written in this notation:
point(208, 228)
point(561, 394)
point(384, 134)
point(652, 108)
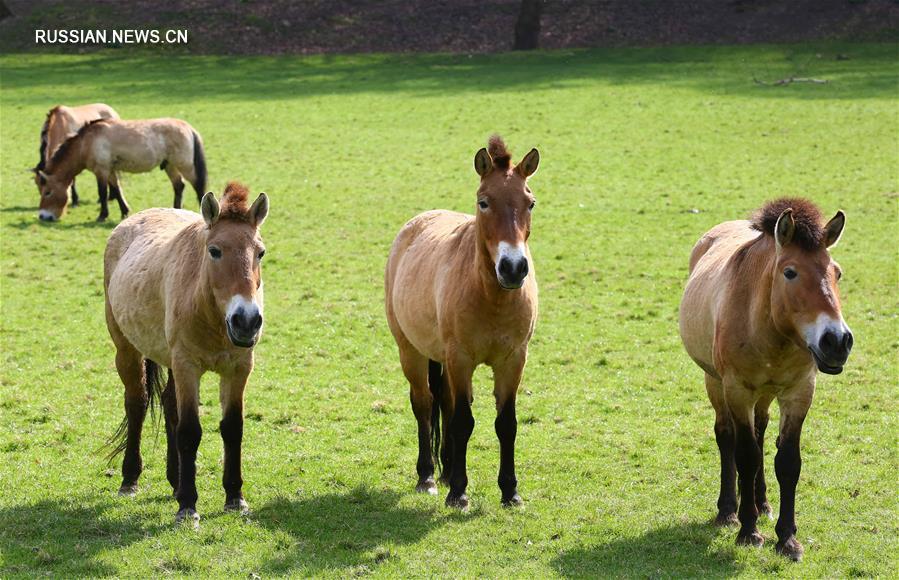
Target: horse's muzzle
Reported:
point(832, 351)
point(46, 216)
point(243, 327)
point(512, 272)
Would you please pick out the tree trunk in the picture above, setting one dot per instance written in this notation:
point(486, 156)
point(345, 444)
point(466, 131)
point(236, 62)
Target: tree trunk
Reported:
point(527, 28)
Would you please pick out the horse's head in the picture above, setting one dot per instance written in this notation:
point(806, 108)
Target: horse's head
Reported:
point(232, 259)
point(54, 193)
point(805, 300)
point(504, 210)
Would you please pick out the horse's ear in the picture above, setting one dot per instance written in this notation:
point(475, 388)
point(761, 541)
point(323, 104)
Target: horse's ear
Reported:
point(209, 207)
point(482, 162)
point(834, 229)
point(784, 228)
point(259, 209)
point(528, 166)
point(41, 176)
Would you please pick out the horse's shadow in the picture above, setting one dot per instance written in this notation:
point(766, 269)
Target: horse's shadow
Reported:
point(64, 537)
point(677, 551)
point(351, 531)
point(28, 223)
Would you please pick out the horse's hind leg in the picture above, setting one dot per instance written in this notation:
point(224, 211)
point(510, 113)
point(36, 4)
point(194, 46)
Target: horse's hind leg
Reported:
point(177, 185)
point(725, 437)
point(761, 489)
point(119, 196)
point(170, 409)
point(130, 365)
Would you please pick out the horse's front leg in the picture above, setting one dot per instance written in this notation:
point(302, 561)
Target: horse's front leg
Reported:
point(102, 193)
point(117, 194)
point(787, 465)
point(231, 427)
point(187, 437)
point(761, 486)
point(747, 455)
point(506, 378)
point(74, 194)
point(458, 371)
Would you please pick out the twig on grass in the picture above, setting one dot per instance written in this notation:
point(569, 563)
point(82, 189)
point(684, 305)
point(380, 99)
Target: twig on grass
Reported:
point(789, 80)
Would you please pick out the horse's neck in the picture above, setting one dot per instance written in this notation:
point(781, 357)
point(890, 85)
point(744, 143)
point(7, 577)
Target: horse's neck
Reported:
point(72, 163)
point(754, 276)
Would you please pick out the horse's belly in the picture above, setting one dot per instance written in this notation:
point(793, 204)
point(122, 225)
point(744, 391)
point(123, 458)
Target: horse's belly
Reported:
point(417, 319)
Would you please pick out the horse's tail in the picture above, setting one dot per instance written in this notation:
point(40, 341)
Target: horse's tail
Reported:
point(436, 384)
point(199, 167)
point(153, 383)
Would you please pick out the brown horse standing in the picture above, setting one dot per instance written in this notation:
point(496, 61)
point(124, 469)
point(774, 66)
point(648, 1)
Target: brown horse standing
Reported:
point(760, 312)
point(61, 123)
point(460, 291)
point(106, 147)
point(185, 292)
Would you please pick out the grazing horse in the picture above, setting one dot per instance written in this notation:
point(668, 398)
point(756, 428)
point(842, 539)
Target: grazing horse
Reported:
point(460, 291)
point(62, 122)
point(185, 292)
point(107, 146)
point(760, 312)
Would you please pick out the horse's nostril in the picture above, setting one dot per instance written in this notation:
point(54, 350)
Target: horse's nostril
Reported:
point(847, 342)
point(828, 341)
point(522, 268)
point(256, 322)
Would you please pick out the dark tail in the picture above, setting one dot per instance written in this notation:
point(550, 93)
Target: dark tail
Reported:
point(436, 384)
point(154, 384)
point(199, 167)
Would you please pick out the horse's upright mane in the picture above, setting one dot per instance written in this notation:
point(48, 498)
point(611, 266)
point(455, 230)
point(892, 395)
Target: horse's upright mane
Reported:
point(234, 203)
point(498, 152)
point(45, 129)
point(809, 232)
point(66, 146)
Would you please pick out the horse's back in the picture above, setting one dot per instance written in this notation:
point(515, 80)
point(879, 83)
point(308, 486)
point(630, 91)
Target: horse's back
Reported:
point(708, 285)
point(425, 254)
point(137, 146)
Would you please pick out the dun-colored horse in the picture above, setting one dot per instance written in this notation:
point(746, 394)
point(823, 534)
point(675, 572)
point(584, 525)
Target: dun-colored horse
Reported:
point(185, 292)
point(460, 291)
point(760, 312)
point(62, 122)
point(106, 147)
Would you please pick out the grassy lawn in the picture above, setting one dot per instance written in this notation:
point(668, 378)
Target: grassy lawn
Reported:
point(642, 151)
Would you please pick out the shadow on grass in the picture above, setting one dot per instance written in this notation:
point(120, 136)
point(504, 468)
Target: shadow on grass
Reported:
point(61, 539)
point(677, 551)
point(862, 71)
point(351, 531)
point(64, 224)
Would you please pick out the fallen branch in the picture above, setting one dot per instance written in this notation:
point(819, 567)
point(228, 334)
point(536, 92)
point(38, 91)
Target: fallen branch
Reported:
point(789, 80)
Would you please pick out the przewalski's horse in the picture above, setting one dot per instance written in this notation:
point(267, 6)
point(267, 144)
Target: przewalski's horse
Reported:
point(106, 147)
point(185, 292)
point(61, 123)
point(460, 291)
point(760, 312)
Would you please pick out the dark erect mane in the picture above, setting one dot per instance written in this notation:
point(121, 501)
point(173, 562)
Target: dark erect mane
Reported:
point(234, 203)
point(498, 152)
point(66, 146)
point(42, 150)
point(809, 232)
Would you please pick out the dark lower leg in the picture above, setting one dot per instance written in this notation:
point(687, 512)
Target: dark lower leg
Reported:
point(116, 194)
point(170, 408)
point(761, 488)
point(188, 435)
point(506, 426)
point(421, 406)
point(102, 192)
point(178, 186)
point(727, 497)
point(747, 460)
point(460, 430)
point(787, 465)
point(132, 463)
point(231, 428)
point(74, 194)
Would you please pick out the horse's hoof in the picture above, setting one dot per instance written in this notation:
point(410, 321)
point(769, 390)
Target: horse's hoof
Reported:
point(188, 515)
point(128, 490)
point(791, 548)
point(428, 486)
point(765, 510)
point(101, 219)
point(459, 502)
point(753, 538)
point(514, 501)
point(726, 520)
point(237, 504)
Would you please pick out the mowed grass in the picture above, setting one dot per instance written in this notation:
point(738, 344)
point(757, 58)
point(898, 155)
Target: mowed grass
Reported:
point(642, 151)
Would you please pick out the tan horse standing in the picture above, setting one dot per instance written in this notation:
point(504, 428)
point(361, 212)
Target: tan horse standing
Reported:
point(460, 291)
point(185, 292)
point(760, 312)
point(106, 147)
point(61, 123)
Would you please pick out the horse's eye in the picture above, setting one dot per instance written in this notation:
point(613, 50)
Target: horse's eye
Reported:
point(790, 273)
point(215, 253)
point(261, 254)
point(47, 193)
point(839, 274)
point(531, 207)
point(482, 204)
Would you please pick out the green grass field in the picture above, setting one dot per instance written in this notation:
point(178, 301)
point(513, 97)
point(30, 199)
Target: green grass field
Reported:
point(642, 151)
